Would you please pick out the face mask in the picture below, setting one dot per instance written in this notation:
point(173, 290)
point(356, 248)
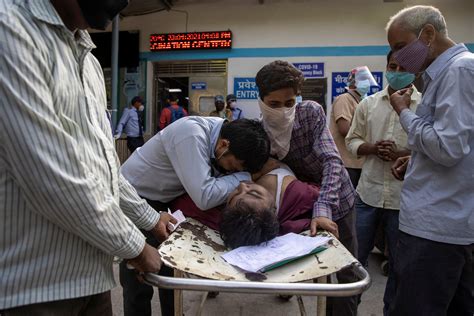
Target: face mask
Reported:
point(233, 105)
point(412, 57)
point(278, 124)
point(99, 13)
point(299, 99)
point(363, 87)
point(399, 79)
point(141, 108)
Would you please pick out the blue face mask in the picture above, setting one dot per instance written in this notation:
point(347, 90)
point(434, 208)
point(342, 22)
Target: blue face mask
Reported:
point(399, 80)
point(299, 99)
point(363, 87)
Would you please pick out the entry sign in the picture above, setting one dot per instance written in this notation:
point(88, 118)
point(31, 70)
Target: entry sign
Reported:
point(339, 82)
point(245, 88)
point(311, 70)
point(198, 86)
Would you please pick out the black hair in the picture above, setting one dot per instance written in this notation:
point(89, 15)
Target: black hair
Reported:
point(136, 99)
point(248, 142)
point(278, 75)
point(389, 55)
point(243, 225)
point(173, 97)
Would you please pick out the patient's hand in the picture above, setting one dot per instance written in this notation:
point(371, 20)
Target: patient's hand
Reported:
point(270, 165)
point(160, 231)
point(324, 223)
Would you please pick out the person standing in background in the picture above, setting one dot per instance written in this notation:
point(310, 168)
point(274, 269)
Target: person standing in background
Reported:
point(358, 84)
point(220, 110)
point(231, 101)
point(131, 123)
point(172, 113)
point(376, 134)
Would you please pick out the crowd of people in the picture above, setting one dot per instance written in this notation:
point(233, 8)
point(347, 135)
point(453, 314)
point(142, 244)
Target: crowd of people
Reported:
point(400, 159)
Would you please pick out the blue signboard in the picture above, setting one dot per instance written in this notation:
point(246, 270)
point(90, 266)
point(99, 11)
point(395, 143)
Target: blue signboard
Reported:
point(339, 82)
point(311, 70)
point(245, 88)
point(378, 75)
point(198, 86)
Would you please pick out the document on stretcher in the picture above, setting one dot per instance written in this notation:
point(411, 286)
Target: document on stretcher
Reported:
point(276, 252)
point(179, 216)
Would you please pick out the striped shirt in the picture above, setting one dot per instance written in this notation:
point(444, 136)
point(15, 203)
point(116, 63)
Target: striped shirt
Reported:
point(314, 158)
point(62, 198)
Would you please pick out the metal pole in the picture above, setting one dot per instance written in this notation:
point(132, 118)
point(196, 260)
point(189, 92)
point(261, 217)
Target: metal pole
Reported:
point(115, 69)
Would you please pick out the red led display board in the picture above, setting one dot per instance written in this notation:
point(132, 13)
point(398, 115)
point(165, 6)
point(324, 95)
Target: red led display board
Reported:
point(189, 41)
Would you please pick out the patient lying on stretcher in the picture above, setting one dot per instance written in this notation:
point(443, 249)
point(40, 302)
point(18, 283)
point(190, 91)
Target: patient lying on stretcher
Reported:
point(276, 204)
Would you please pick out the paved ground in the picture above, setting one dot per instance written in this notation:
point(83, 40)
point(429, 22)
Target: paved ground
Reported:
point(230, 304)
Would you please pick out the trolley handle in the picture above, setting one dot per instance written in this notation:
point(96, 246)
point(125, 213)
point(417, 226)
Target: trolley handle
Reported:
point(311, 289)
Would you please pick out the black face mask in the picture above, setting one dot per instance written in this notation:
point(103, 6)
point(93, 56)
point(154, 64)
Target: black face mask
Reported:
point(99, 13)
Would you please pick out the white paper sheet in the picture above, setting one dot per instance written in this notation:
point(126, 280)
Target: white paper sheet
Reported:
point(255, 258)
point(179, 217)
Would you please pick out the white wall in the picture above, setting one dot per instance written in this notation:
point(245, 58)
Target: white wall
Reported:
point(295, 23)
point(290, 23)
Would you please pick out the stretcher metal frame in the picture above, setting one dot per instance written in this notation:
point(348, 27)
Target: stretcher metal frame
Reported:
point(321, 286)
point(310, 289)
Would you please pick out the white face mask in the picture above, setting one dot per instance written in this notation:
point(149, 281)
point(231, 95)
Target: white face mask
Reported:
point(141, 108)
point(278, 124)
point(233, 105)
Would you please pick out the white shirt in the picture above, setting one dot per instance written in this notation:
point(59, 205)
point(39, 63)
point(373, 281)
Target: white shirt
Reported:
point(61, 193)
point(374, 119)
point(178, 160)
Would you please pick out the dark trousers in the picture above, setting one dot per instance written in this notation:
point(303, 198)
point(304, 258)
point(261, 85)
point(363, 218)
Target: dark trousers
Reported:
point(134, 142)
point(342, 306)
point(93, 305)
point(354, 175)
point(136, 295)
point(433, 278)
point(368, 219)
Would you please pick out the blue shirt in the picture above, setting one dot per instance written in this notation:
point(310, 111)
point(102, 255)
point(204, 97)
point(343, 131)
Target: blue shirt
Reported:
point(437, 200)
point(178, 160)
point(236, 114)
point(129, 123)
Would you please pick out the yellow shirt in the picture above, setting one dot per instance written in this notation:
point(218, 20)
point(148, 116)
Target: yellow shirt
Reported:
point(374, 120)
point(343, 107)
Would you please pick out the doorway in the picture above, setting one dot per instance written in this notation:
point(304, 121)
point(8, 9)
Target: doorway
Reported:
point(195, 82)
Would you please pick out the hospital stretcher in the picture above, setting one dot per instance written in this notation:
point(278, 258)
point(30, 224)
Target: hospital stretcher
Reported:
point(194, 250)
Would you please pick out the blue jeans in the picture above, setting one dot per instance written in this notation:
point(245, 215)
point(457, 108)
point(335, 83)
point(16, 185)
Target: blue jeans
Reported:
point(368, 219)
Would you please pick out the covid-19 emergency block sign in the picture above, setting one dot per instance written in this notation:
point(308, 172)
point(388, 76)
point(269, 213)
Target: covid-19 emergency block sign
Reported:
point(245, 88)
point(339, 83)
point(311, 70)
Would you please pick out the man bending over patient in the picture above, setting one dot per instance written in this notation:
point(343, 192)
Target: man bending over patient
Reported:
point(193, 155)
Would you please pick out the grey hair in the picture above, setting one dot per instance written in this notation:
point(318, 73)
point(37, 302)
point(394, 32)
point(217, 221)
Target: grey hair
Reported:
point(414, 18)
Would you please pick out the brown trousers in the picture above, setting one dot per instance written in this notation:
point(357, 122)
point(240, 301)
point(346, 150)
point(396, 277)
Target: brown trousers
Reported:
point(94, 305)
